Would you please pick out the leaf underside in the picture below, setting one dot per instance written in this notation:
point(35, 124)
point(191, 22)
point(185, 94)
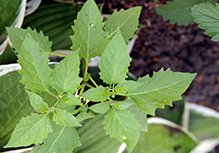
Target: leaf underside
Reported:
point(207, 16)
point(179, 11)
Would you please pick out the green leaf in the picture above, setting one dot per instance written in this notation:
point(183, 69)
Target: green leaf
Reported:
point(84, 115)
point(31, 130)
point(62, 117)
point(71, 99)
point(14, 104)
point(122, 105)
point(123, 126)
point(55, 22)
point(65, 74)
point(207, 16)
point(9, 15)
point(126, 87)
point(179, 11)
point(114, 60)
point(8, 56)
point(141, 117)
point(63, 139)
point(35, 70)
point(99, 93)
point(100, 108)
point(88, 32)
point(18, 35)
point(125, 20)
point(160, 90)
point(37, 102)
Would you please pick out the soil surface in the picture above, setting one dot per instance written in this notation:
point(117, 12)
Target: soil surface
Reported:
point(180, 48)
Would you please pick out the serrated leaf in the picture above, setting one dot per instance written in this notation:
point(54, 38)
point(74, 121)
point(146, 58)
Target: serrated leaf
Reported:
point(126, 87)
point(65, 74)
point(35, 70)
point(125, 20)
point(37, 102)
point(17, 36)
point(63, 139)
point(65, 118)
point(88, 33)
point(71, 99)
point(31, 130)
point(99, 93)
point(160, 90)
point(123, 126)
point(100, 108)
point(115, 60)
point(179, 11)
point(84, 115)
point(207, 16)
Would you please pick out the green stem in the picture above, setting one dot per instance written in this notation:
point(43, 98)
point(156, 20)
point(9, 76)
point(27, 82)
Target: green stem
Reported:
point(60, 55)
point(92, 80)
point(85, 68)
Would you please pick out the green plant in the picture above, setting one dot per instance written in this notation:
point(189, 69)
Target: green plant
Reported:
point(52, 126)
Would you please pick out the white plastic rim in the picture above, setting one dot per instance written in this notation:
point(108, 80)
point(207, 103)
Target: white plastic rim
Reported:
point(32, 6)
point(205, 146)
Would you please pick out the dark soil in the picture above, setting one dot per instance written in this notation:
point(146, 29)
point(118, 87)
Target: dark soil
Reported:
point(180, 48)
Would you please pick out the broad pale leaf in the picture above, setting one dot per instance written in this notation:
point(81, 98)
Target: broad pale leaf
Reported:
point(125, 20)
point(63, 139)
point(115, 60)
point(37, 102)
point(207, 16)
point(71, 99)
point(35, 70)
point(160, 90)
point(84, 115)
point(122, 105)
point(88, 32)
point(63, 117)
point(17, 36)
point(100, 108)
point(65, 75)
point(179, 11)
point(123, 126)
point(96, 94)
point(126, 87)
point(31, 130)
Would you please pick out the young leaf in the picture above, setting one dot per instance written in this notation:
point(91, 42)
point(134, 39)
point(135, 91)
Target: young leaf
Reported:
point(114, 60)
point(125, 20)
point(62, 139)
point(35, 70)
point(65, 75)
point(207, 16)
point(62, 117)
point(179, 11)
point(122, 105)
point(126, 86)
point(88, 33)
point(84, 115)
point(37, 102)
point(71, 99)
point(31, 130)
point(17, 36)
point(160, 90)
point(100, 108)
point(96, 94)
point(123, 126)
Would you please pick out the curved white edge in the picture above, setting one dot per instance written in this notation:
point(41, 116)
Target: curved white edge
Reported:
point(29, 150)
point(3, 46)
point(185, 116)
point(4, 69)
point(157, 120)
point(205, 111)
point(205, 146)
point(121, 148)
point(32, 6)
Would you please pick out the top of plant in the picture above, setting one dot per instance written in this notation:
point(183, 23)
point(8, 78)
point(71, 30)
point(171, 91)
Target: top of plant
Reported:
point(56, 120)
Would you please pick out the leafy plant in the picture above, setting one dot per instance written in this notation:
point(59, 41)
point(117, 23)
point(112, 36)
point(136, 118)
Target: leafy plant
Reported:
point(52, 127)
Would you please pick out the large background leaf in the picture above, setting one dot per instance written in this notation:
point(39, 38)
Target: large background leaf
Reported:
point(14, 104)
point(179, 11)
point(207, 16)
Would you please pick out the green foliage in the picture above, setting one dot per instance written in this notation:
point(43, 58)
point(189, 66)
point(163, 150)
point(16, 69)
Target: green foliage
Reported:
point(64, 99)
point(207, 16)
point(179, 11)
